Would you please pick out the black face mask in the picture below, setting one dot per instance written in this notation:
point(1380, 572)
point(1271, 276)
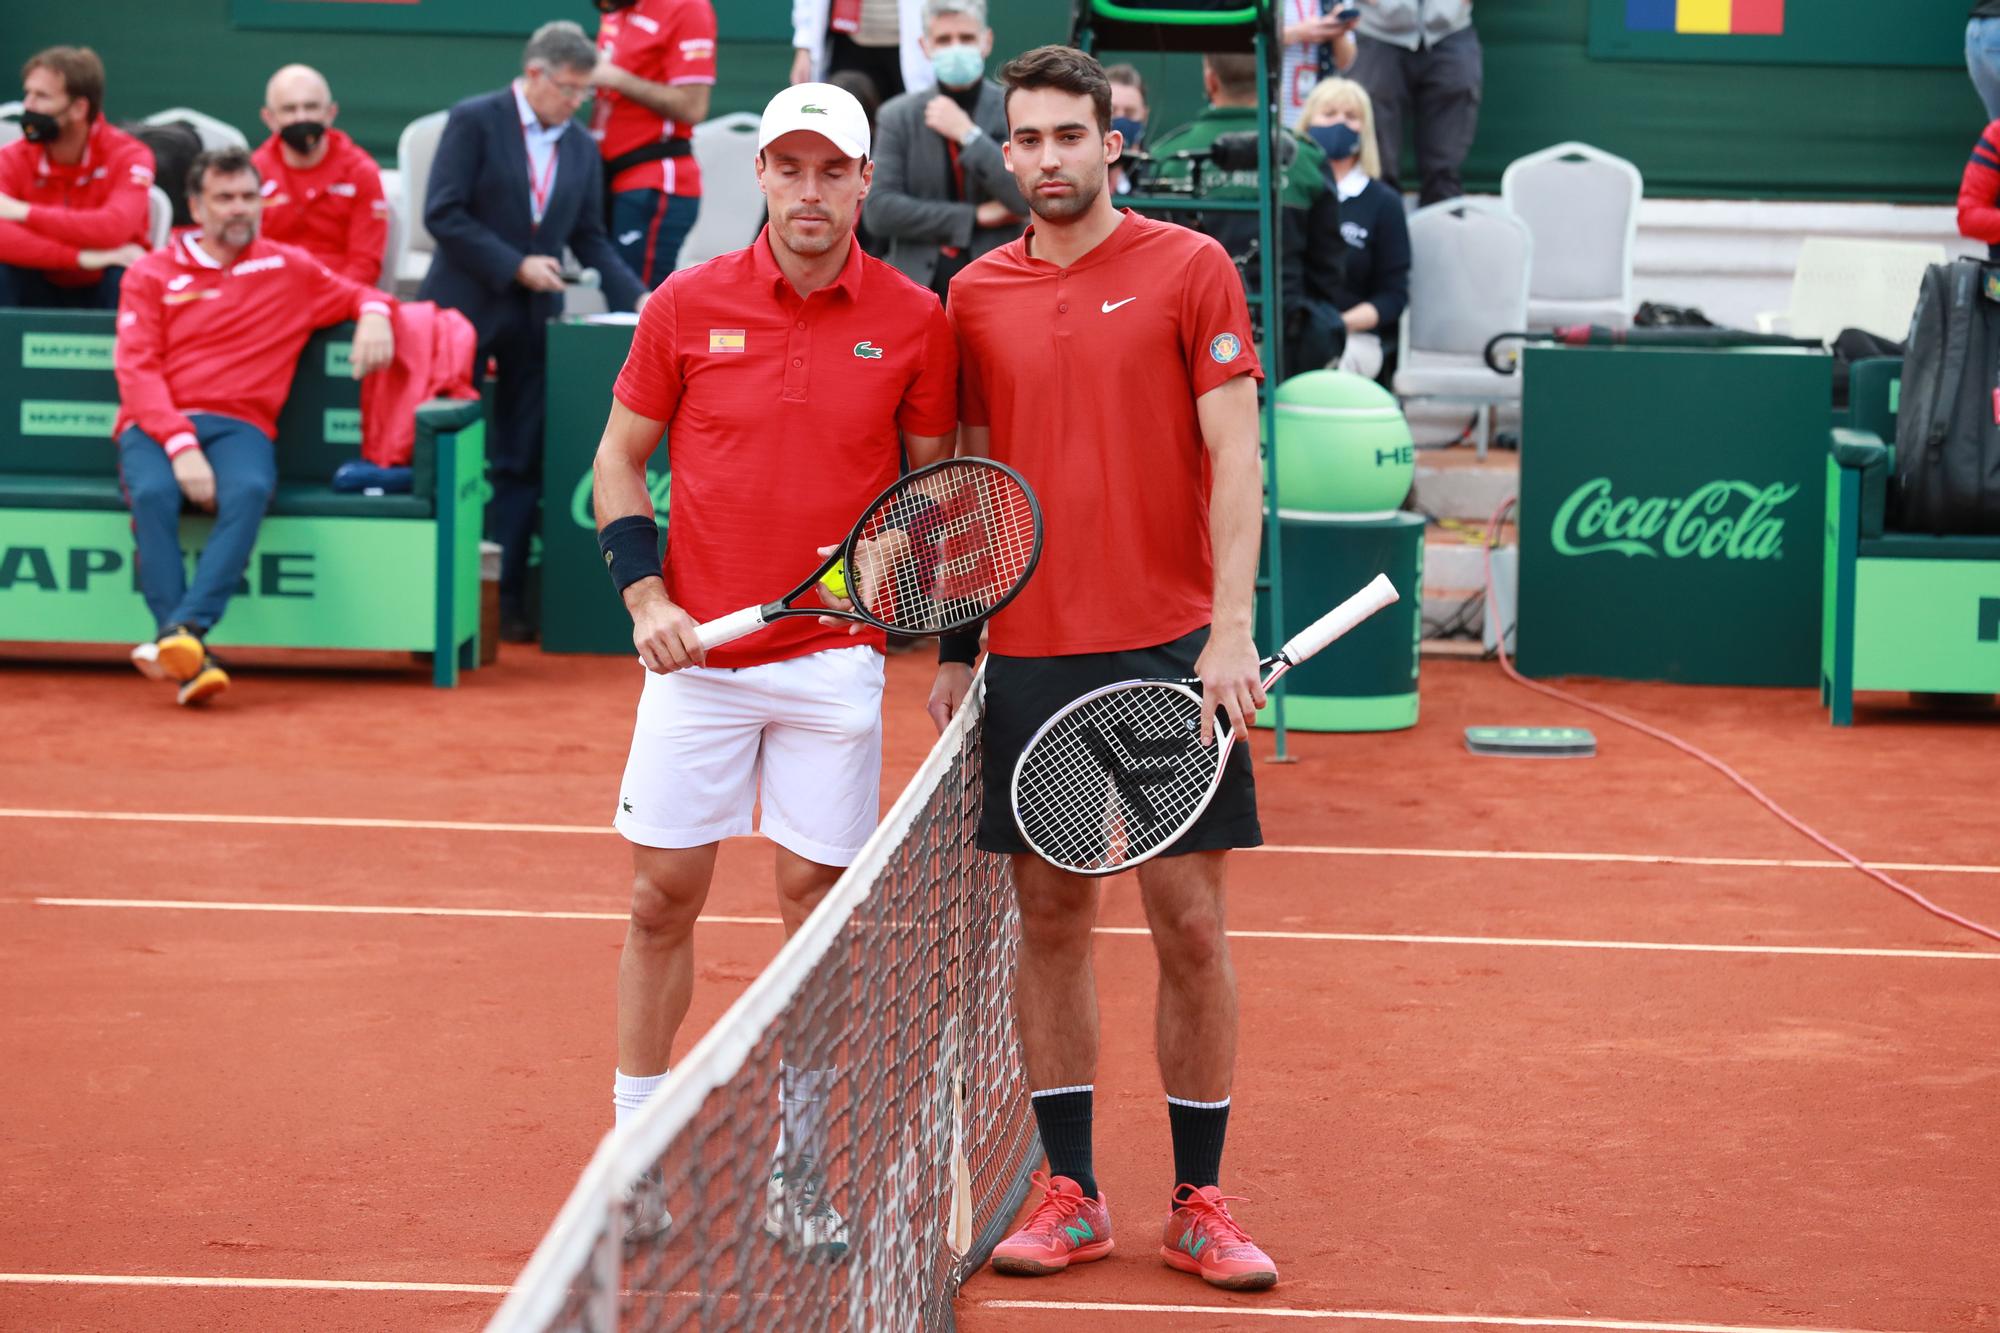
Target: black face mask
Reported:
point(609, 6)
point(38, 126)
point(302, 136)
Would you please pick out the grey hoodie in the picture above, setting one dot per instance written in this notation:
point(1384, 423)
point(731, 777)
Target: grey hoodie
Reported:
point(1411, 24)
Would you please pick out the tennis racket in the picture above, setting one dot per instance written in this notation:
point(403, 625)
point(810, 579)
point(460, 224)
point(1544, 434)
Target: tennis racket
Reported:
point(938, 552)
point(1117, 775)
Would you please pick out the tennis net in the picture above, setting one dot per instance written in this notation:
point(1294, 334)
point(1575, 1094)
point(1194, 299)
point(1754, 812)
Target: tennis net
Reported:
point(851, 1138)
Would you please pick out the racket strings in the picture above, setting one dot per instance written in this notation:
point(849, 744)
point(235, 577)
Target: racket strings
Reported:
point(1116, 778)
point(945, 550)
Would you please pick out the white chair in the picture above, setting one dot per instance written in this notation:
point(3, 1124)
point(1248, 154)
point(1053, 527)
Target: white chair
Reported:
point(1841, 283)
point(159, 218)
point(1469, 265)
point(1582, 204)
point(415, 148)
point(392, 244)
point(213, 133)
point(10, 130)
point(725, 148)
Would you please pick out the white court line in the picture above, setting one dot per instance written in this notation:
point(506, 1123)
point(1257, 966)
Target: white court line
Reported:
point(1397, 1317)
point(1309, 936)
point(1287, 849)
point(1106, 1307)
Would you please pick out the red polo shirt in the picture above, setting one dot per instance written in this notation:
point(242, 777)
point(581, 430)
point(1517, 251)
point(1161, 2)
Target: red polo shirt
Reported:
point(782, 419)
point(1087, 378)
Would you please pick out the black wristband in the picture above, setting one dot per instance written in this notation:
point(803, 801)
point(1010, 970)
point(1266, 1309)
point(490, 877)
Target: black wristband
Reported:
point(631, 547)
point(962, 647)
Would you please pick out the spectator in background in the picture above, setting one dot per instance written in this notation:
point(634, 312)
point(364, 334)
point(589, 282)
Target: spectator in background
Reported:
point(74, 190)
point(1128, 116)
point(943, 195)
point(1319, 43)
point(322, 193)
point(1979, 193)
point(862, 89)
point(1364, 288)
point(1982, 54)
point(655, 68)
point(881, 38)
point(1310, 215)
point(1420, 62)
point(511, 187)
point(209, 333)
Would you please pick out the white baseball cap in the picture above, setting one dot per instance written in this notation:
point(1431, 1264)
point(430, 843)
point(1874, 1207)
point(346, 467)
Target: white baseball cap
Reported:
point(830, 112)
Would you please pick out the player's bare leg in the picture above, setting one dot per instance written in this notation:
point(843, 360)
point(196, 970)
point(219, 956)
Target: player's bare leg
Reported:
point(656, 969)
point(801, 886)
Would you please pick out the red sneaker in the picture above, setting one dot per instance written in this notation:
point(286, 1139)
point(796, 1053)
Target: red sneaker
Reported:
point(1203, 1239)
point(1064, 1229)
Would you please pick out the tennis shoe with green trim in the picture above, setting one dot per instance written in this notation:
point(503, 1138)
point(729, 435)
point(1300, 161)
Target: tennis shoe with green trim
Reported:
point(1065, 1228)
point(1203, 1239)
point(796, 1212)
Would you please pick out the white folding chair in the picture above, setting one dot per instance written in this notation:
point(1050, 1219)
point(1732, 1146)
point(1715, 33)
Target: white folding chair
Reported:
point(1469, 265)
point(214, 134)
point(159, 217)
point(10, 130)
point(1582, 204)
point(725, 148)
point(415, 148)
point(1844, 283)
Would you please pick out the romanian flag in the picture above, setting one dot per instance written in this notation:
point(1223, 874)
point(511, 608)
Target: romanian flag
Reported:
point(1733, 18)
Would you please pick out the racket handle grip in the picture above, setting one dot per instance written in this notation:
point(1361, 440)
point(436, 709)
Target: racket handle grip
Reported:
point(1378, 594)
point(728, 629)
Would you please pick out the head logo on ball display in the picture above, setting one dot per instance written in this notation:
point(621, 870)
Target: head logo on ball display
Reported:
point(1344, 449)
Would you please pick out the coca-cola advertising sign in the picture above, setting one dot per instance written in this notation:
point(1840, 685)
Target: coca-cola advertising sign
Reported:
point(1718, 520)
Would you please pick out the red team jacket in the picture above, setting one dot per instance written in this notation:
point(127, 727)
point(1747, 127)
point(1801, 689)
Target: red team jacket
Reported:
point(662, 41)
point(334, 210)
point(1979, 191)
point(195, 337)
point(98, 204)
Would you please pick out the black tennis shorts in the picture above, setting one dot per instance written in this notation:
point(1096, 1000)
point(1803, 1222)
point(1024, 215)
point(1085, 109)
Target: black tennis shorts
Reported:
point(1024, 692)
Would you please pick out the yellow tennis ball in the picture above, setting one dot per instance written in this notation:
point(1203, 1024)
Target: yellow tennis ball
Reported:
point(835, 581)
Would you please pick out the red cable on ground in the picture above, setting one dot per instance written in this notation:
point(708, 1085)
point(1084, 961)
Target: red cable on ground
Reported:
point(1500, 642)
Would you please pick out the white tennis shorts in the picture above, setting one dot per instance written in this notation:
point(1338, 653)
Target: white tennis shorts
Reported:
point(805, 732)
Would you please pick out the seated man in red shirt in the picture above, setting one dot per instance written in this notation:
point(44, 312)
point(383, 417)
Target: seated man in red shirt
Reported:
point(322, 193)
point(209, 331)
point(73, 190)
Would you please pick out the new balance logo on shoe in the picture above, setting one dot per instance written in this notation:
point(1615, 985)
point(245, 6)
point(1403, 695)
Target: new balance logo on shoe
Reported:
point(1079, 1232)
point(1194, 1244)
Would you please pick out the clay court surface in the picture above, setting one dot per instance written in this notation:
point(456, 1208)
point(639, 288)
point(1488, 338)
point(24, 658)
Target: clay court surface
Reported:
point(1561, 1043)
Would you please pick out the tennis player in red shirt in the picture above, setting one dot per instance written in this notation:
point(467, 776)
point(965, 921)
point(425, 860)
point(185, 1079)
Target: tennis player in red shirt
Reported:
point(1108, 358)
point(786, 377)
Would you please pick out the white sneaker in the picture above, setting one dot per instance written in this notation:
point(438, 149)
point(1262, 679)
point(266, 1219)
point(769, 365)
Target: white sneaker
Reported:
point(146, 657)
point(646, 1215)
point(797, 1213)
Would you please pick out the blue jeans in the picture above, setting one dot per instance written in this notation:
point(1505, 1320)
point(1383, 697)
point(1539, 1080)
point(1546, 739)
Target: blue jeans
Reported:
point(1982, 61)
point(246, 472)
point(648, 227)
point(30, 288)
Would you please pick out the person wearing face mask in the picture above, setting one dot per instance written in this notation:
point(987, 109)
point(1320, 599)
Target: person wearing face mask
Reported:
point(1362, 285)
point(322, 193)
point(1128, 117)
point(943, 195)
point(73, 190)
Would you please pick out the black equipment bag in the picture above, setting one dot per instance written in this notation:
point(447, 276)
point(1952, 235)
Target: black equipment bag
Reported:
point(1948, 426)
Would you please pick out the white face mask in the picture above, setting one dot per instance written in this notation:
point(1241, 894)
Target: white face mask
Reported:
point(958, 66)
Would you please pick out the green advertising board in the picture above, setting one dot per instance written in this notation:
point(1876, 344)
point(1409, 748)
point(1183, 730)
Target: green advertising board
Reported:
point(1867, 33)
point(1671, 507)
point(581, 611)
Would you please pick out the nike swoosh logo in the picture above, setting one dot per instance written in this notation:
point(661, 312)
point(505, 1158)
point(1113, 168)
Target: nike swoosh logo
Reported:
point(1110, 306)
point(628, 238)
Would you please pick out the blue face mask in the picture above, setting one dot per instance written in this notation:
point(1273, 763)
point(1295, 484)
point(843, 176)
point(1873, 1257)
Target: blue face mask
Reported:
point(958, 66)
point(1338, 142)
point(1133, 130)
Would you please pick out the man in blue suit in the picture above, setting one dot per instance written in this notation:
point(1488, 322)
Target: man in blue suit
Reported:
point(513, 183)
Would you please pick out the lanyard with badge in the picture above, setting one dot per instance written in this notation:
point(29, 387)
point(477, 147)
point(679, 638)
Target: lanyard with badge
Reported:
point(538, 191)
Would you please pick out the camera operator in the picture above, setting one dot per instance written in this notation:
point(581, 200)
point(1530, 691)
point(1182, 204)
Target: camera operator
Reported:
point(1215, 157)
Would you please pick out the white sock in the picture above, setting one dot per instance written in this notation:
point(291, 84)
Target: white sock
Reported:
point(628, 1094)
point(802, 1095)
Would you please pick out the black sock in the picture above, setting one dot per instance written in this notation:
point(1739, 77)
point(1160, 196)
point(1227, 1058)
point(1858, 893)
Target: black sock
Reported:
point(1063, 1116)
point(1198, 1132)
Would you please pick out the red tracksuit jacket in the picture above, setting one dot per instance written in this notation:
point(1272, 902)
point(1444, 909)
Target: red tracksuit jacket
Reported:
point(1979, 191)
point(98, 204)
point(334, 210)
point(195, 337)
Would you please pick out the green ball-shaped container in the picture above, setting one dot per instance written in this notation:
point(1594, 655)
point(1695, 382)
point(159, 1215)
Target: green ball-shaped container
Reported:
point(1343, 447)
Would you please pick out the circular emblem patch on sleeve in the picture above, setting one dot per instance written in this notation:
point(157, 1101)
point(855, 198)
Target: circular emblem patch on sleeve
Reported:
point(1224, 348)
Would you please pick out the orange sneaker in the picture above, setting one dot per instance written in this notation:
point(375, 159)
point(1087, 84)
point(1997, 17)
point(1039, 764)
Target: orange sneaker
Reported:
point(1064, 1229)
point(1203, 1239)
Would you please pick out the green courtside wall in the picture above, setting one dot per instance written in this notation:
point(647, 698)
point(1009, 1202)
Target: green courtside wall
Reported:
point(1695, 130)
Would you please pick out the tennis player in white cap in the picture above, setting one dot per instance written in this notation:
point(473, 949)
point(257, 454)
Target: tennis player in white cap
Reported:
point(787, 378)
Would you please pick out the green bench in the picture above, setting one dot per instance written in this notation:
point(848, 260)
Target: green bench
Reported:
point(1903, 611)
point(330, 570)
